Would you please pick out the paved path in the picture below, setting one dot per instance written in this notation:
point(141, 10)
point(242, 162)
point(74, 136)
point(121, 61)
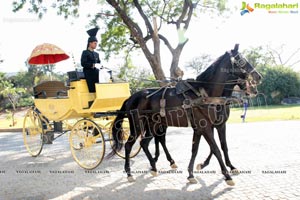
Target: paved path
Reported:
point(266, 153)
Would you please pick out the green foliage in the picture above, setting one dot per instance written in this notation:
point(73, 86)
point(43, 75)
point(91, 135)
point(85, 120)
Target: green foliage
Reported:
point(34, 75)
point(65, 8)
point(12, 93)
point(212, 7)
point(279, 82)
point(117, 36)
point(114, 38)
point(2, 80)
point(16, 91)
point(138, 77)
point(259, 56)
point(144, 80)
point(26, 101)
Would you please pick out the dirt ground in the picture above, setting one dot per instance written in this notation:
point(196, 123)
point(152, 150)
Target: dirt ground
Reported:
point(5, 122)
point(20, 112)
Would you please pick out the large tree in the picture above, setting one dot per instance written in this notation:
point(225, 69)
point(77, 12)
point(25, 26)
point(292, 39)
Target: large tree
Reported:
point(136, 24)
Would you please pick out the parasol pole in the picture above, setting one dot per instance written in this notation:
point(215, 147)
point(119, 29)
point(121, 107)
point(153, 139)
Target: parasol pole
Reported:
point(49, 67)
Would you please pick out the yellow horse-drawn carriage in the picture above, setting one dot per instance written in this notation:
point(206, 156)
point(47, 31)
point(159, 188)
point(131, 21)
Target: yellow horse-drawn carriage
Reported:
point(88, 117)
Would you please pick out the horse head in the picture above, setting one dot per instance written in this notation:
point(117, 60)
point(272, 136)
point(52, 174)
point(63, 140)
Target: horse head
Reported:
point(247, 75)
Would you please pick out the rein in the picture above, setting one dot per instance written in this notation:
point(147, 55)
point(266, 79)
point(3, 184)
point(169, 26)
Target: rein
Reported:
point(173, 80)
point(219, 83)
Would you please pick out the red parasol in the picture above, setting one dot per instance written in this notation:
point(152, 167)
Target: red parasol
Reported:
point(47, 54)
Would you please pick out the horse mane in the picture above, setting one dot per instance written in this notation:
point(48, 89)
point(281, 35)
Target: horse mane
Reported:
point(210, 72)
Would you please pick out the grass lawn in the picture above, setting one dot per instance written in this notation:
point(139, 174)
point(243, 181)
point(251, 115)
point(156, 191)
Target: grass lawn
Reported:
point(254, 114)
point(266, 113)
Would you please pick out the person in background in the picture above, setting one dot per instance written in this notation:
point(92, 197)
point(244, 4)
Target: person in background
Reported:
point(243, 116)
point(88, 60)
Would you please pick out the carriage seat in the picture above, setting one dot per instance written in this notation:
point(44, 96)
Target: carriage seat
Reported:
point(50, 89)
point(75, 76)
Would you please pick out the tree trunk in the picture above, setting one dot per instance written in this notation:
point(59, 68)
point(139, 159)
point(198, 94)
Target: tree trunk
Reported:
point(152, 33)
point(156, 61)
point(175, 71)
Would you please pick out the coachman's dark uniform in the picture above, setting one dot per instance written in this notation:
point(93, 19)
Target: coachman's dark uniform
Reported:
point(88, 60)
point(91, 73)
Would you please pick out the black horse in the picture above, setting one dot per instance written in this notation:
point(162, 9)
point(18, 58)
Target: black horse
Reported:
point(188, 107)
point(223, 112)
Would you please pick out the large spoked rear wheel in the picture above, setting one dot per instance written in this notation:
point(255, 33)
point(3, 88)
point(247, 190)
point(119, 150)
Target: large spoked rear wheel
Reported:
point(87, 144)
point(33, 132)
point(136, 148)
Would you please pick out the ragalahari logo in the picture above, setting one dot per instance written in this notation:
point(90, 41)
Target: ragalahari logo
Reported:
point(246, 8)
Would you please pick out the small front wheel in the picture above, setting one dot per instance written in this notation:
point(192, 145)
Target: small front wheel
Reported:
point(33, 132)
point(87, 144)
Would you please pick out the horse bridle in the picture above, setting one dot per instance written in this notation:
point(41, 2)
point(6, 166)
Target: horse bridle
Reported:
point(239, 61)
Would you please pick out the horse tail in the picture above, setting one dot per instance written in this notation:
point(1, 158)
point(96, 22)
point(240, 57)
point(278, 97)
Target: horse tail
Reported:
point(117, 131)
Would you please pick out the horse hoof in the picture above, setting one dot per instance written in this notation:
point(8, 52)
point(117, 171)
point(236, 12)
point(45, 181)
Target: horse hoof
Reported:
point(230, 182)
point(153, 173)
point(130, 179)
point(235, 172)
point(174, 166)
point(192, 180)
point(198, 167)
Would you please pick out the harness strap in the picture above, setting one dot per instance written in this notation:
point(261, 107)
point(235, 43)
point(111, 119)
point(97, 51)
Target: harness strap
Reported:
point(203, 93)
point(163, 87)
point(188, 108)
point(162, 103)
point(215, 101)
point(192, 88)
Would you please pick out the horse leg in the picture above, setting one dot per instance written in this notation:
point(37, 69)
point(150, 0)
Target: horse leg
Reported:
point(206, 162)
point(195, 146)
point(222, 137)
point(216, 151)
point(145, 144)
point(128, 147)
point(156, 140)
point(135, 131)
point(162, 140)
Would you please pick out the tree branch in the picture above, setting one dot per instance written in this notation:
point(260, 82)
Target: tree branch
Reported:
point(291, 56)
point(135, 30)
point(271, 52)
point(183, 14)
point(298, 61)
point(145, 18)
point(166, 41)
point(105, 14)
point(190, 13)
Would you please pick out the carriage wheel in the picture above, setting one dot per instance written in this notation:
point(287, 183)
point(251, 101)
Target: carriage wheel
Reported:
point(87, 144)
point(33, 132)
point(126, 131)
